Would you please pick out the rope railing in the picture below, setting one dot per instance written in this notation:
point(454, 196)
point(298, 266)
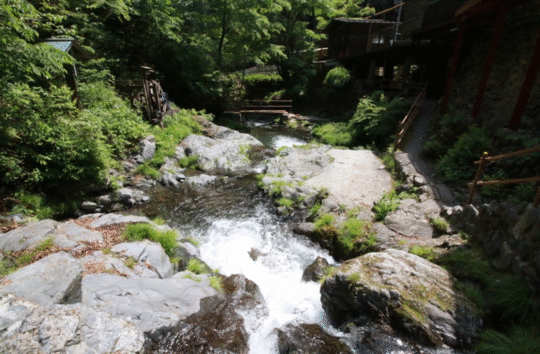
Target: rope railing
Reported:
point(485, 159)
point(409, 117)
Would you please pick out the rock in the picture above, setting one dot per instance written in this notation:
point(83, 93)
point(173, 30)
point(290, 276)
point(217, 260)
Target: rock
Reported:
point(330, 204)
point(304, 228)
point(419, 181)
point(201, 179)
point(105, 199)
point(88, 206)
point(411, 293)
point(124, 194)
point(300, 162)
point(383, 233)
point(186, 251)
point(255, 254)
point(27, 236)
point(70, 235)
point(222, 156)
point(145, 183)
point(217, 327)
point(316, 270)
point(180, 153)
point(409, 219)
point(148, 149)
point(149, 253)
point(114, 219)
point(309, 338)
point(98, 262)
point(55, 279)
point(153, 304)
point(169, 180)
point(28, 328)
point(18, 218)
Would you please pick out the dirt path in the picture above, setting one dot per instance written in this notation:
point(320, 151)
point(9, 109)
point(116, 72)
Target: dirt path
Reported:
point(355, 177)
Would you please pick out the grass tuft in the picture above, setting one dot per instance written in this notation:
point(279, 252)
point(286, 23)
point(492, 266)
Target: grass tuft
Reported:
point(216, 282)
point(142, 231)
point(196, 266)
point(520, 340)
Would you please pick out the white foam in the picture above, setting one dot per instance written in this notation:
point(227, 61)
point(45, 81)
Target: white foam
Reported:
point(278, 272)
point(289, 141)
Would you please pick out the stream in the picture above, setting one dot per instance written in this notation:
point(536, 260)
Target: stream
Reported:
point(230, 218)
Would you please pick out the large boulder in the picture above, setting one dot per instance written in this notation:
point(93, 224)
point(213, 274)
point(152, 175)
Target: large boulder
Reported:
point(222, 155)
point(98, 262)
point(309, 338)
point(155, 305)
point(409, 219)
point(114, 219)
point(69, 235)
point(413, 294)
point(147, 149)
point(299, 162)
point(218, 327)
point(28, 328)
point(55, 279)
point(149, 253)
point(28, 236)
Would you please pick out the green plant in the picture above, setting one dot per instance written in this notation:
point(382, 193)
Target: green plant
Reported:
point(467, 264)
point(520, 340)
point(513, 297)
point(193, 241)
point(402, 242)
point(324, 220)
point(141, 231)
point(147, 170)
point(196, 266)
point(285, 202)
point(423, 251)
point(45, 245)
point(389, 202)
point(354, 278)
point(439, 224)
point(130, 262)
point(189, 161)
point(336, 134)
point(352, 231)
point(106, 250)
point(337, 77)
point(216, 282)
point(315, 209)
point(159, 220)
point(192, 277)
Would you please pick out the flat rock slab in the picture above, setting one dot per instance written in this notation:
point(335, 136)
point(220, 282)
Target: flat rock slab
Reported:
point(149, 253)
point(106, 262)
point(411, 293)
point(409, 219)
point(28, 236)
point(55, 279)
point(28, 328)
point(152, 304)
point(355, 177)
point(114, 219)
point(70, 235)
point(298, 163)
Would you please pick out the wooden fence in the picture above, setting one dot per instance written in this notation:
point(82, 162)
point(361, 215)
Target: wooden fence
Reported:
point(486, 159)
point(407, 121)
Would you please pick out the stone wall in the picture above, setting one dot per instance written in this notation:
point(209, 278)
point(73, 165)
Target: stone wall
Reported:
point(522, 27)
point(508, 233)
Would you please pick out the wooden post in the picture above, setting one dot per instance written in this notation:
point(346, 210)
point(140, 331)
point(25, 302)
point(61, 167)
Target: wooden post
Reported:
point(477, 177)
point(528, 83)
point(490, 60)
point(537, 198)
point(453, 66)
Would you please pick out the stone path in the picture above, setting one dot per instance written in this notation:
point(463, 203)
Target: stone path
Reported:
point(355, 177)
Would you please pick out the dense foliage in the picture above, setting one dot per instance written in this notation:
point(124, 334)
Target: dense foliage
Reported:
point(337, 77)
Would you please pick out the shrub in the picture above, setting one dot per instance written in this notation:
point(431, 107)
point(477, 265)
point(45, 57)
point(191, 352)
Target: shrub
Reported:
point(141, 231)
point(444, 133)
point(513, 297)
point(520, 340)
point(261, 85)
point(388, 203)
point(147, 170)
point(189, 161)
point(337, 77)
point(336, 134)
point(456, 166)
point(285, 202)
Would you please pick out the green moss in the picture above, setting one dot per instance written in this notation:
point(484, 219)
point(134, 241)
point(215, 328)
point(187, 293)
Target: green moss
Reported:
point(285, 202)
point(439, 224)
point(130, 262)
point(147, 170)
point(193, 241)
point(353, 278)
point(423, 251)
point(352, 232)
point(189, 161)
point(196, 266)
point(192, 277)
point(217, 283)
point(324, 220)
point(45, 245)
point(389, 202)
point(315, 209)
point(159, 220)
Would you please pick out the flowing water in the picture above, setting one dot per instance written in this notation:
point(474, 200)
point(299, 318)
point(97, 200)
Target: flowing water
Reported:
point(231, 218)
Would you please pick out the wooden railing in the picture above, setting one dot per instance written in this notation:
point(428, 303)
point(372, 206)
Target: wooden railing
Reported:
point(486, 158)
point(407, 121)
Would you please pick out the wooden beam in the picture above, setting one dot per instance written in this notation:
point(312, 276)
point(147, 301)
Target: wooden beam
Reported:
point(526, 88)
point(387, 10)
point(453, 66)
point(490, 60)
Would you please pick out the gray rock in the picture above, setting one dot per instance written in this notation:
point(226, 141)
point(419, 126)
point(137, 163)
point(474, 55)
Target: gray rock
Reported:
point(300, 162)
point(148, 149)
point(145, 199)
point(330, 204)
point(180, 153)
point(152, 304)
point(71, 235)
point(110, 263)
point(88, 206)
point(124, 194)
point(105, 199)
point(383, 233)
point(419, 180)
point(149, 253)
point(409, 219)
point(145, 183)
point(128, 166)
point(316, 270)
point(114, 219)
point(304, 228)
point(18, 218)
point(27, 236)
point(186, 251)
point(169, 180)
point(255, 254)
point(406, 290)
point(222, 156)
point(309, 338)
point(28, 328)
point(55, 279)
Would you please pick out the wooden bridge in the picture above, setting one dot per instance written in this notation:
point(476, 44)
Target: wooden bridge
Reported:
point(279, 107)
